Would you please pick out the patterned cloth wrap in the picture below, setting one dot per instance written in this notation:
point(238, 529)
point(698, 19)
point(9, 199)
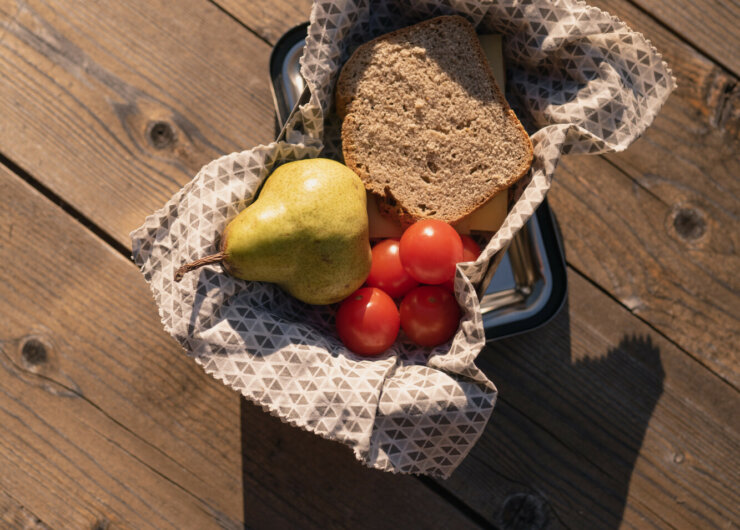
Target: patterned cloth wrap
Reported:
point(579, 80)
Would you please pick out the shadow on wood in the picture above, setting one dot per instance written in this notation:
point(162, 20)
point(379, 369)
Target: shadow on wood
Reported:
point(315, 483)
point(560, 449)
point(594, 408)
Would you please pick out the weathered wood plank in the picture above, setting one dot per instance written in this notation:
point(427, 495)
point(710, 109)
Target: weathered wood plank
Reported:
point(13, 515)
point(624, 238)
point(147, 96)
point(604, 424)
point(710, 26)
point(103, 417)
point(269, 20)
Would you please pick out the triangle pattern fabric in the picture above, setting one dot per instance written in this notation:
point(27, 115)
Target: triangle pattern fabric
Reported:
point(580, 80)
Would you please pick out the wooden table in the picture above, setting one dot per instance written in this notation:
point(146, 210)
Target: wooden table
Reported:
point(622, 411)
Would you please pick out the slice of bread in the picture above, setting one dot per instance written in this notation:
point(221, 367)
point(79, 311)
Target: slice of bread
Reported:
point(425, 125)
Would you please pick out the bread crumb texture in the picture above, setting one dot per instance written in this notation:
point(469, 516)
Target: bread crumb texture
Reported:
point(425, 126)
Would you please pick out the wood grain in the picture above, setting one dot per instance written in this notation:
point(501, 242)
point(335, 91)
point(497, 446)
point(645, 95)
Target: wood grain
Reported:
point(125, 101)
point(13, 515)
point(710, 26)
point(626, 239)
point(269, 20)
point(103, 419)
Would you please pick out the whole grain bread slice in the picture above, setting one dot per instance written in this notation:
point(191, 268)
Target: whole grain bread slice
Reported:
point(425, 125)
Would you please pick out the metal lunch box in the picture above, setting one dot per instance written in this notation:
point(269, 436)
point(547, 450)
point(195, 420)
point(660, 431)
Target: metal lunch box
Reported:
point(525, 287)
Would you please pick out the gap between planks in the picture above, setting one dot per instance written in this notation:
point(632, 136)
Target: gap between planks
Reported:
point(242, 24)
point(94, 405)
point(652, 327)
point(65, 206)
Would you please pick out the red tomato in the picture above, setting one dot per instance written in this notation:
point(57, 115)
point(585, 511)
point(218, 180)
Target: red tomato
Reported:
point(386, 271)
point(368, 321)
point(429, 315)
point(429, 251)
point(471, 251)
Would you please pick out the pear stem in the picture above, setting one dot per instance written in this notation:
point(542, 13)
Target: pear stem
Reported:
point(213, 258)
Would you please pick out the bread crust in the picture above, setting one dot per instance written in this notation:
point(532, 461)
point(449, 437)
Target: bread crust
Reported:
point(343, 100)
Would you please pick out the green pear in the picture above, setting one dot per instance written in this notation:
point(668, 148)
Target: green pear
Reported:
point(307, 232)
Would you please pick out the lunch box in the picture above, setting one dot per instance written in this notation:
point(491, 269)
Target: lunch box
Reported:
point(523, 289)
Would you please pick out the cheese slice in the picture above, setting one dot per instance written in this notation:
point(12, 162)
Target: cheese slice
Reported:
point(487, 218)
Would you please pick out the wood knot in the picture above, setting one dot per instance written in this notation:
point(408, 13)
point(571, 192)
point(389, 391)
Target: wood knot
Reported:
point(101, 524)
point(160, 134)
point(524, 511)
point(34, 352)
point(689, 223)
point(34, 358)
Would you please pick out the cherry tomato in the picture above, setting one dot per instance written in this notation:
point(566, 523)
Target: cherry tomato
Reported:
point(471, 251)
point(368, 321)
point(430, 315)
point(386, 271)
point(429, 251)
